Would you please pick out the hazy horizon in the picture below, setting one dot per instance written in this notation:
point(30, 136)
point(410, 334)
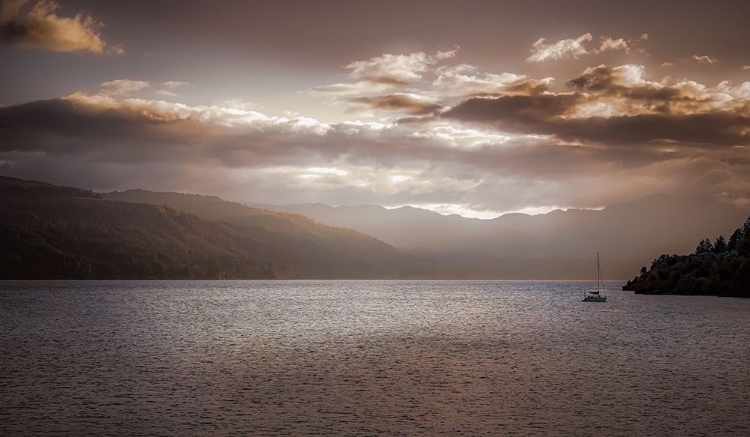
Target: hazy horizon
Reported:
point(531, 212)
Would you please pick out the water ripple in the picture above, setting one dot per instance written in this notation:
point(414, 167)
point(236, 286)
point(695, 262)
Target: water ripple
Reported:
point(366, 358)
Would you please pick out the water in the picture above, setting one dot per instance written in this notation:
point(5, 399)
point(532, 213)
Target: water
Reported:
point(368, 358)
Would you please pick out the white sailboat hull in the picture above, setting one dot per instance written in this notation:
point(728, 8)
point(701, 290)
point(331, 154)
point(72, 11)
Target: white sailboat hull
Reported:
point(595, 299)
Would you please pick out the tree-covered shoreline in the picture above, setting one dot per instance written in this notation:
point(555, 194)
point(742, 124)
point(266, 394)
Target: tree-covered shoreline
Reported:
point(719, 268)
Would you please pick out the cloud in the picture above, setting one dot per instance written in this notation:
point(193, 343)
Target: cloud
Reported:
point(565, 48)
point(41, 27)
point(705, 59)
point(516, 113)
point(465, 80)
point(98, 141)
point(404, 102)
point(575, 48)
point(172, 84)
point(610, 79)
point(9, 9)
point(121, 87)
point(449, 82)
point(617, 106)
point(610, 134)
point(609, 44)
point(397, 69)
point(133, 131)
point(117, 49)
point(384, 73)
point(351, 89)
point(702, 59)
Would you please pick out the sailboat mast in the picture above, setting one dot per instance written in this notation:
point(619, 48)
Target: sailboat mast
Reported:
point(598, 272)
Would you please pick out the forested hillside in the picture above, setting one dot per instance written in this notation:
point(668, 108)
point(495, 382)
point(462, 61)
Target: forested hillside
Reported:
point(51, 232)
point(715, 268)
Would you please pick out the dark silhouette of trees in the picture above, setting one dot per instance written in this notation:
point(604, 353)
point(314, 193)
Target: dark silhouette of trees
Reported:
point(743, 246)
point(720, 246)
point(720, 268)
point(734, 239)
point(705, 246)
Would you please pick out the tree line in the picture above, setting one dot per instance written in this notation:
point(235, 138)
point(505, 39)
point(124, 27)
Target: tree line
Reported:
point(720, 267)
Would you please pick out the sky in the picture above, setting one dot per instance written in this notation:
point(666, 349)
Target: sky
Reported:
point(476, 107)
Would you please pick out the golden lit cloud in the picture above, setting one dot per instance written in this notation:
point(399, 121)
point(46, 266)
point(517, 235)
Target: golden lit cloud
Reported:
point(618, 106)
point(704, 59)
point(565, 48)
point(609, 44)
point(397, 69)
point(574, 48)
point(121, 87)
point(464, 80)
point(41, 27)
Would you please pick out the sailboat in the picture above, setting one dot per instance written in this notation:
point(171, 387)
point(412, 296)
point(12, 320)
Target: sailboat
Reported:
point(596, 296)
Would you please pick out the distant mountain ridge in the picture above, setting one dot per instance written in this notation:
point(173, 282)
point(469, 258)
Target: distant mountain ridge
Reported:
point(557, 245)
point(50, 232)
point(420, 230)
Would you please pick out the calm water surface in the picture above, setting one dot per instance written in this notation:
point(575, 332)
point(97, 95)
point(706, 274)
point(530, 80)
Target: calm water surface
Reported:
point(368, 358)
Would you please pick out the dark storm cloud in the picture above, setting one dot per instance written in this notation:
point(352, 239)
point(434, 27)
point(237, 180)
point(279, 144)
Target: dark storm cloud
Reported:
point(405, 102)
point(61, 126)
point(526, 87)
point(742, 162)
point(646, 112)
point(708, 129)
point(609, 82)
point(134, 131)
point(543, 115)
point(517, 113)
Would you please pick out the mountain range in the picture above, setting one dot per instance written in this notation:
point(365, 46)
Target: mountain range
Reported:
point(62, 232)
point(561, 244)
point(50, 232)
